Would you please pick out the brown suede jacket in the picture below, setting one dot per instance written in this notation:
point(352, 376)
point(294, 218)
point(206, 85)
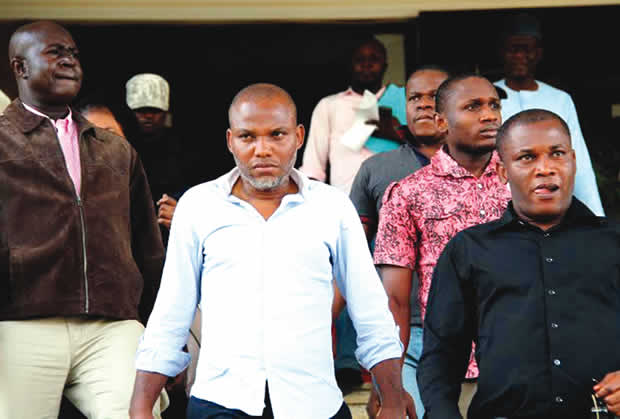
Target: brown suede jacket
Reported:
point(98, 255)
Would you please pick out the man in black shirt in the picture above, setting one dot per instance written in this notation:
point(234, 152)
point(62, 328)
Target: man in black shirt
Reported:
point(538, 290)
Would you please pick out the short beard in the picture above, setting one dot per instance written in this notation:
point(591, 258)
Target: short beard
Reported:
point(474, 150)
point(268, 183)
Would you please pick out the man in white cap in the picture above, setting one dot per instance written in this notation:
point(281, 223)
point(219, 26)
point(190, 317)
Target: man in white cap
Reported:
point(165, 162)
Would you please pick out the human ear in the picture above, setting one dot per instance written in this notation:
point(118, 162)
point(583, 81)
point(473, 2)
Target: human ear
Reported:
point(501, 172)
point(229, 139)
point(441, 123)
point(19, 67)
point(300, 134)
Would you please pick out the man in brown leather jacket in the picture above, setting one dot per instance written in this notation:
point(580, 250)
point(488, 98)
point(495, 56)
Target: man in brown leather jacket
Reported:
point(80, 251)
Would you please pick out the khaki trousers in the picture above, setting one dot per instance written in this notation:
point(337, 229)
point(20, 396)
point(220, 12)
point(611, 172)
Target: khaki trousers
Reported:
point(90, 361)
point(468, 390)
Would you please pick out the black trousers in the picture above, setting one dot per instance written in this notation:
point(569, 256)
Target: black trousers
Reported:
point(203, 409)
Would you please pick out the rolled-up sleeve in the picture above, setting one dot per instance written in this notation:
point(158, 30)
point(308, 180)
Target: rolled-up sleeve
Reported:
point(161, 347)
point(367, 303)
point(397, 239)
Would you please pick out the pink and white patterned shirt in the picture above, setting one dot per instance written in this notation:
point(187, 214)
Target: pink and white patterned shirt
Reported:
point(422, 212)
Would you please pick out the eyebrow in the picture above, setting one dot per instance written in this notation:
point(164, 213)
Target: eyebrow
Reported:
point(421, 92)
point(530, 149)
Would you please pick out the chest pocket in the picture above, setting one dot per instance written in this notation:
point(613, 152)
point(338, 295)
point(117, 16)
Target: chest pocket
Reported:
point(441, 222)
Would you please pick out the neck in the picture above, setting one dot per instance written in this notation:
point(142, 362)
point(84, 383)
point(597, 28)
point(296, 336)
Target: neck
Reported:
point(266, 202)
point(528, 83)
point(543, 224)
point(473, 163)
point(374, 88)
point(52, 111)
point(428, 150)
point(244, 190)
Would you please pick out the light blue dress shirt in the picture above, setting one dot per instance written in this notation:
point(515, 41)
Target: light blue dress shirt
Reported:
point(560, 103)
point(265, 288)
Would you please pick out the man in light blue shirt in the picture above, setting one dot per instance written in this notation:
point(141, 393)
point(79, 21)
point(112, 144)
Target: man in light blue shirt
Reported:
point(521, 51)
point(258, 248)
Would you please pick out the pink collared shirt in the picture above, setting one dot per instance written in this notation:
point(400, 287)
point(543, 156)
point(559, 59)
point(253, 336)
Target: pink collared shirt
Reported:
point(66, 130)
point(331, 118)
point(422, 212)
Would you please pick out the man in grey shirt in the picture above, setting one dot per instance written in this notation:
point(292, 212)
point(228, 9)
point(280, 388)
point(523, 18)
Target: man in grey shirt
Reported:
point(421, 139)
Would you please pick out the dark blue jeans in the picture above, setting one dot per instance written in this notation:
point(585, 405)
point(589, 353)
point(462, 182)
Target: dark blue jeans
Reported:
point(203, 409)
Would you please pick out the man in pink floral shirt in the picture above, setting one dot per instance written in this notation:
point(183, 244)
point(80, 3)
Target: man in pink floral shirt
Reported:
point(460, 188)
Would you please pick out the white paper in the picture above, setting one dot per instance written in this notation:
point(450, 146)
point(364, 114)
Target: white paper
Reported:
point(356, 136)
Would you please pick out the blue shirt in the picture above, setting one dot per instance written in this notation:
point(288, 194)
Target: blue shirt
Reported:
point(265, 288)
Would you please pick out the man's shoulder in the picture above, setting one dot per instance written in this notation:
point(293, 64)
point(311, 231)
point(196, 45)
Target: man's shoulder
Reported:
point(412, 189)
point(333, 99)
point(421, 179)
point(393, 156)
point(323, 191)
point(549, 90)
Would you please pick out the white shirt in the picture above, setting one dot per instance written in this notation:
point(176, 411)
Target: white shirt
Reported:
point(559, 102)
point(265, 288)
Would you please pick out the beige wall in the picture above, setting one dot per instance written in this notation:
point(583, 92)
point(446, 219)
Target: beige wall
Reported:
point(253, 10)
point(395, 45)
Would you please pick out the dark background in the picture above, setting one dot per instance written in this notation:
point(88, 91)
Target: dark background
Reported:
point(207, 64)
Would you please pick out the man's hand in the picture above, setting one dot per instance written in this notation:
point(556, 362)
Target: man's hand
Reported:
point(374, 410)
point(609, 390)
point(177, 384)
point(145, 414)
point(166, 206)
point(387, 127)
point(373, 405)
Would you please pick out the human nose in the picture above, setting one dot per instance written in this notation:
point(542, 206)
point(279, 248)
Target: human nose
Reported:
point(489, 114)
point(426, 103)
point(545, 166)
point(262, 147)
point(69, 58)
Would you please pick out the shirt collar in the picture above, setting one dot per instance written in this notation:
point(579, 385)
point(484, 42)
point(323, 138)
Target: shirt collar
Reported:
point(351, 92)
point(578, 213)
point(226, 182)
point(67, 119)
point(444, 165)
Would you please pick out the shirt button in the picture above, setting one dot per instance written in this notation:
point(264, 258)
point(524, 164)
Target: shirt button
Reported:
point(479, 186)
point(558, 399)
point(551, 292)
point(482, 212)
point(556, 362)
point(549, 260)
point(554, 325)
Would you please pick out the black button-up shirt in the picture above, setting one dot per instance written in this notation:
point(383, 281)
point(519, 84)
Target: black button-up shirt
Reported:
point(543, 308)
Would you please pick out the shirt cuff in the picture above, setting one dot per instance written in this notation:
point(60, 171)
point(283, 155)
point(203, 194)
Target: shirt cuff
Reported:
point(162, 361)
point(370, 354)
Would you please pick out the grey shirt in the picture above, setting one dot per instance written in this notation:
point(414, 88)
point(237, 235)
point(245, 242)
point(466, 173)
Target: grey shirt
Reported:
point(373, 178)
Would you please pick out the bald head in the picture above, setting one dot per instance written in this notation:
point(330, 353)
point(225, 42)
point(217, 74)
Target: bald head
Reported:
point(25, 36)
point(261, 93)
point(45, 61)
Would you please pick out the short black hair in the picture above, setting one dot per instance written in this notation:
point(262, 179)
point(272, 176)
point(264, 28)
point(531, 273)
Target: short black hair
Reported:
point(444, 91)
point(430, 67)
point(527, 117)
